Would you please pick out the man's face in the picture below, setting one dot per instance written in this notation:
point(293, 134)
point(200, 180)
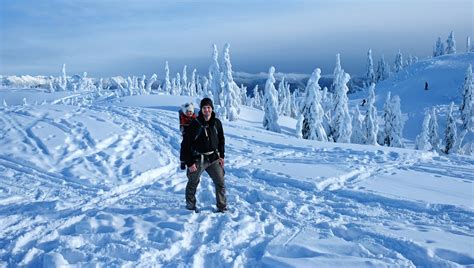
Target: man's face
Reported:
point(206, 111)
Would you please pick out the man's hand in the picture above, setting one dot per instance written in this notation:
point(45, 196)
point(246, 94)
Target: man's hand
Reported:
point(192, 168)
point(221, 162)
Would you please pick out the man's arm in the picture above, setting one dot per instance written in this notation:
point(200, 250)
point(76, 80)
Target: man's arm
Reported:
point(220, 136)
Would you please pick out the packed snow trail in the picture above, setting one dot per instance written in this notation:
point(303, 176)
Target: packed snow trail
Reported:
point(101, 184)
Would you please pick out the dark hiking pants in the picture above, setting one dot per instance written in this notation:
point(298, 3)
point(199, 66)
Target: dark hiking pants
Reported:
point(216, 172)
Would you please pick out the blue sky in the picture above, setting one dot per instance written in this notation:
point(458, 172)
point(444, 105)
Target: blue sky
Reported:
point(109, 38)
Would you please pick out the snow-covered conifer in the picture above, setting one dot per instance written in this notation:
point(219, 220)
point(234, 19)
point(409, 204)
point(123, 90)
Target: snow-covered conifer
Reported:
point(422, 140)
point(167, 86)
point(215, 78)
point(451, 44)
point(184, 82)
point(396, 139)
point(337, 71)
point(357, 128)
point(192, 85)
point(450, 134)
point(179, 87)
point(370, 126)
point(256, 100)
point(398, 64)
point(231, 91)
point(270, 119)
point(150, 82)
point(467, 113)
point(468, 44)
point(341, 119)
point(382, 70)
point(299, 126)
point(439, 48)
point(433, 135)
point(63, 80)
point(370, 75)
point(313, 113)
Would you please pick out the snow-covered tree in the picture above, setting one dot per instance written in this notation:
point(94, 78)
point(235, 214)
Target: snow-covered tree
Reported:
point(143, 90)
point(467, 113)
point(150, 82)
point(256, 99)
point(357, 128)
point(293, 107)
point(450, 133)
point(468, 44)
point(397, 123)
point(231, 91)
point(299, 126)
point(341, 119)
point(313, 113)
point(382, 70)
point(174, 87)
point(433, 135)
point(270, 119)
point(451, 44)
point(439, 48)
point(184, 83)
point(63, 79)
point(422, 141)
point(370, 126)
point(192, 84)
point(216, 78)
point(337, 71)
point(370, 75)
point(398, 64)
point(167, 86)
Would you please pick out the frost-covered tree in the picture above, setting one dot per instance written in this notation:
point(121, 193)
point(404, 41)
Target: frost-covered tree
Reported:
point(231, 91)
point(184, 83)
point(313, 113)
point(293, 106)
point(382, 70)
point(299, 126)
point(270, 119)
point(167, 86)
point(284, 97)
point(63, 79)
point(174, 87)
point(422, 141)
point(467, 113)
point(337, 71)
point(216, 78)
point(451, 44)
point(439, 48)
point(150, 82)
point(398, 64)
point(256, 99)
point(433, 135)
point(450, 133)
point(143, 90)
point(387, 119)
point(192, 84)
point(341, 119)
point(468, 44)
point(370, 75)
point(397, 123)
point(370, 126)
point(357, 128)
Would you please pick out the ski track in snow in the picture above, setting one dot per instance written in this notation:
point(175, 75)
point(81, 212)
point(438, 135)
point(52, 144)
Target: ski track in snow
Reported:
point(117, 212)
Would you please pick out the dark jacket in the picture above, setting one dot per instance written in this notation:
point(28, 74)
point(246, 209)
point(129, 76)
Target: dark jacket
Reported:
point(210, 138)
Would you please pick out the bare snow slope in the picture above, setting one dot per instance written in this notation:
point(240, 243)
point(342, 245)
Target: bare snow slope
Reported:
point(100, 185)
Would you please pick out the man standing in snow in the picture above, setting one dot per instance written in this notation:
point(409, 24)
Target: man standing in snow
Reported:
point(203, 149)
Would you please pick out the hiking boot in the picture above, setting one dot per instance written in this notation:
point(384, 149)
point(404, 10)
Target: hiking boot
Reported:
point(221, 210)
point(190, 207)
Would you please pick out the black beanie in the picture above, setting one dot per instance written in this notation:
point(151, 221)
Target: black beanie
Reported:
point(206, 102)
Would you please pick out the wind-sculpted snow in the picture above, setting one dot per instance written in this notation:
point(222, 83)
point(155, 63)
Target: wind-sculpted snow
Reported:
point(100, 185)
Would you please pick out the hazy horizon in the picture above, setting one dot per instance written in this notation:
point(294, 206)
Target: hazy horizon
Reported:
point(109, 38)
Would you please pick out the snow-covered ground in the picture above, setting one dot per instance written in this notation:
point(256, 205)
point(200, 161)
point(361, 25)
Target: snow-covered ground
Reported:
point(100, 185)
